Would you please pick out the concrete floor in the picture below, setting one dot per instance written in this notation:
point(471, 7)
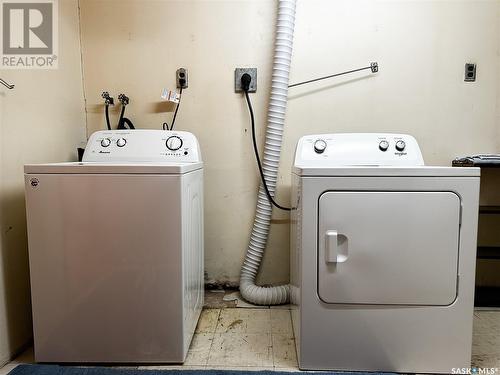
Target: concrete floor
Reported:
point(262, 339)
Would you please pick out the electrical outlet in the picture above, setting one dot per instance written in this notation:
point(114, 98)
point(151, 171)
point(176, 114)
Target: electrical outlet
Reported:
point(470, 72)
point(238, 73)
point(181, 77)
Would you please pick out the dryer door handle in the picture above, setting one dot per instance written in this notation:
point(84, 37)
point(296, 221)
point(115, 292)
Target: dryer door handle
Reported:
point(331, 246)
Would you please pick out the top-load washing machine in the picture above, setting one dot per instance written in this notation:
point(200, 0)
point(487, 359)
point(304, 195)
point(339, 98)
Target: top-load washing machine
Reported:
point(116, 249)
point(383, 256)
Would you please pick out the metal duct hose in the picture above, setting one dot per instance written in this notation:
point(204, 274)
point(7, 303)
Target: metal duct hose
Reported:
point(274, 133)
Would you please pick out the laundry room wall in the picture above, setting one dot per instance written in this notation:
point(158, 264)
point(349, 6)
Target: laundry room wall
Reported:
point(41, 120)
point(135, 46)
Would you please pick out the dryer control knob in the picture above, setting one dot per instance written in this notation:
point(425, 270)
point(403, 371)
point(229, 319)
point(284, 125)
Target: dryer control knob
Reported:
point(400, 145)
point(383, 145)
point(121, 142)
point(174, 143)
point(105, 142)
point(319, 146)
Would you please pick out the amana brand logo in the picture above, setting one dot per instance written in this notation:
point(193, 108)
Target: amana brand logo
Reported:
point(29, 34)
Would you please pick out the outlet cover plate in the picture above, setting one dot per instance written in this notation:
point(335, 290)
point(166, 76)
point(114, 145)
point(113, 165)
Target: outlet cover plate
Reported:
point(470, 72)
point(181, 73)
point(238, 72)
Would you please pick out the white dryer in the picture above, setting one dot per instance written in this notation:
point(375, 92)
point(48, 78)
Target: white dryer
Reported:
point(383, 256)
point(116, 249)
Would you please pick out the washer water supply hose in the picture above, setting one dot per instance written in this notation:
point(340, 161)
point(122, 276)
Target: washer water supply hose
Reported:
point(251, 292)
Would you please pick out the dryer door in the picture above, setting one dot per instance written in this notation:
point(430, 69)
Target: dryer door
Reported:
point(388, 247)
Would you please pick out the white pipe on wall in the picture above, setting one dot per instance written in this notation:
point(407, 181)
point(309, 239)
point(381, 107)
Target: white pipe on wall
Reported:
point(274, 134)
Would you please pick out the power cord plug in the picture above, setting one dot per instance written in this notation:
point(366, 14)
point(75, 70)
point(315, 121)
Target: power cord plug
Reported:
point(246, 79)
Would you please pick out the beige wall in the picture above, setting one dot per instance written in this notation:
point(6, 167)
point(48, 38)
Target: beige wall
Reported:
point(137, 50)
point(421, 46)
point(41, 120)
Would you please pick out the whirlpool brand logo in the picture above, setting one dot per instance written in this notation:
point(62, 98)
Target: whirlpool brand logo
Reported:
point(29, 34)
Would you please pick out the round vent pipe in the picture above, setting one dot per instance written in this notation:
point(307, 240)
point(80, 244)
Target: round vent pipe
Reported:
point(253, 293)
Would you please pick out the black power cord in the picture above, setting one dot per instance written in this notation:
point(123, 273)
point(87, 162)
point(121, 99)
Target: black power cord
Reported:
point(165, 124)
point(245, 84)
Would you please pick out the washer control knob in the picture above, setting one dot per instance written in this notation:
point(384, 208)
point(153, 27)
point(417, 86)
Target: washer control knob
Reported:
point(121, 142)
point(105, 142)
point(174, 143)
point(400, 145)
point(383, 145)
point(319, 146)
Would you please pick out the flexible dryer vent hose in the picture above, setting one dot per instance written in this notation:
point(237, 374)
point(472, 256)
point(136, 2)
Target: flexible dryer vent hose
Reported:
point(274, 133)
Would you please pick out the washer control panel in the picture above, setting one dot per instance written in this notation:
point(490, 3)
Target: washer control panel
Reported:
point(358, 149)
point(142, 146)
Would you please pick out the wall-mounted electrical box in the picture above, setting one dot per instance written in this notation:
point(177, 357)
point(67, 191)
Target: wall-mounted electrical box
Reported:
point(181, 77)
point(470, 72)
point(238, 72)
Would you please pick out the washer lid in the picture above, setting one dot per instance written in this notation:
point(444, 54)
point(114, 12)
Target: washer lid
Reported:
point(108, 168)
